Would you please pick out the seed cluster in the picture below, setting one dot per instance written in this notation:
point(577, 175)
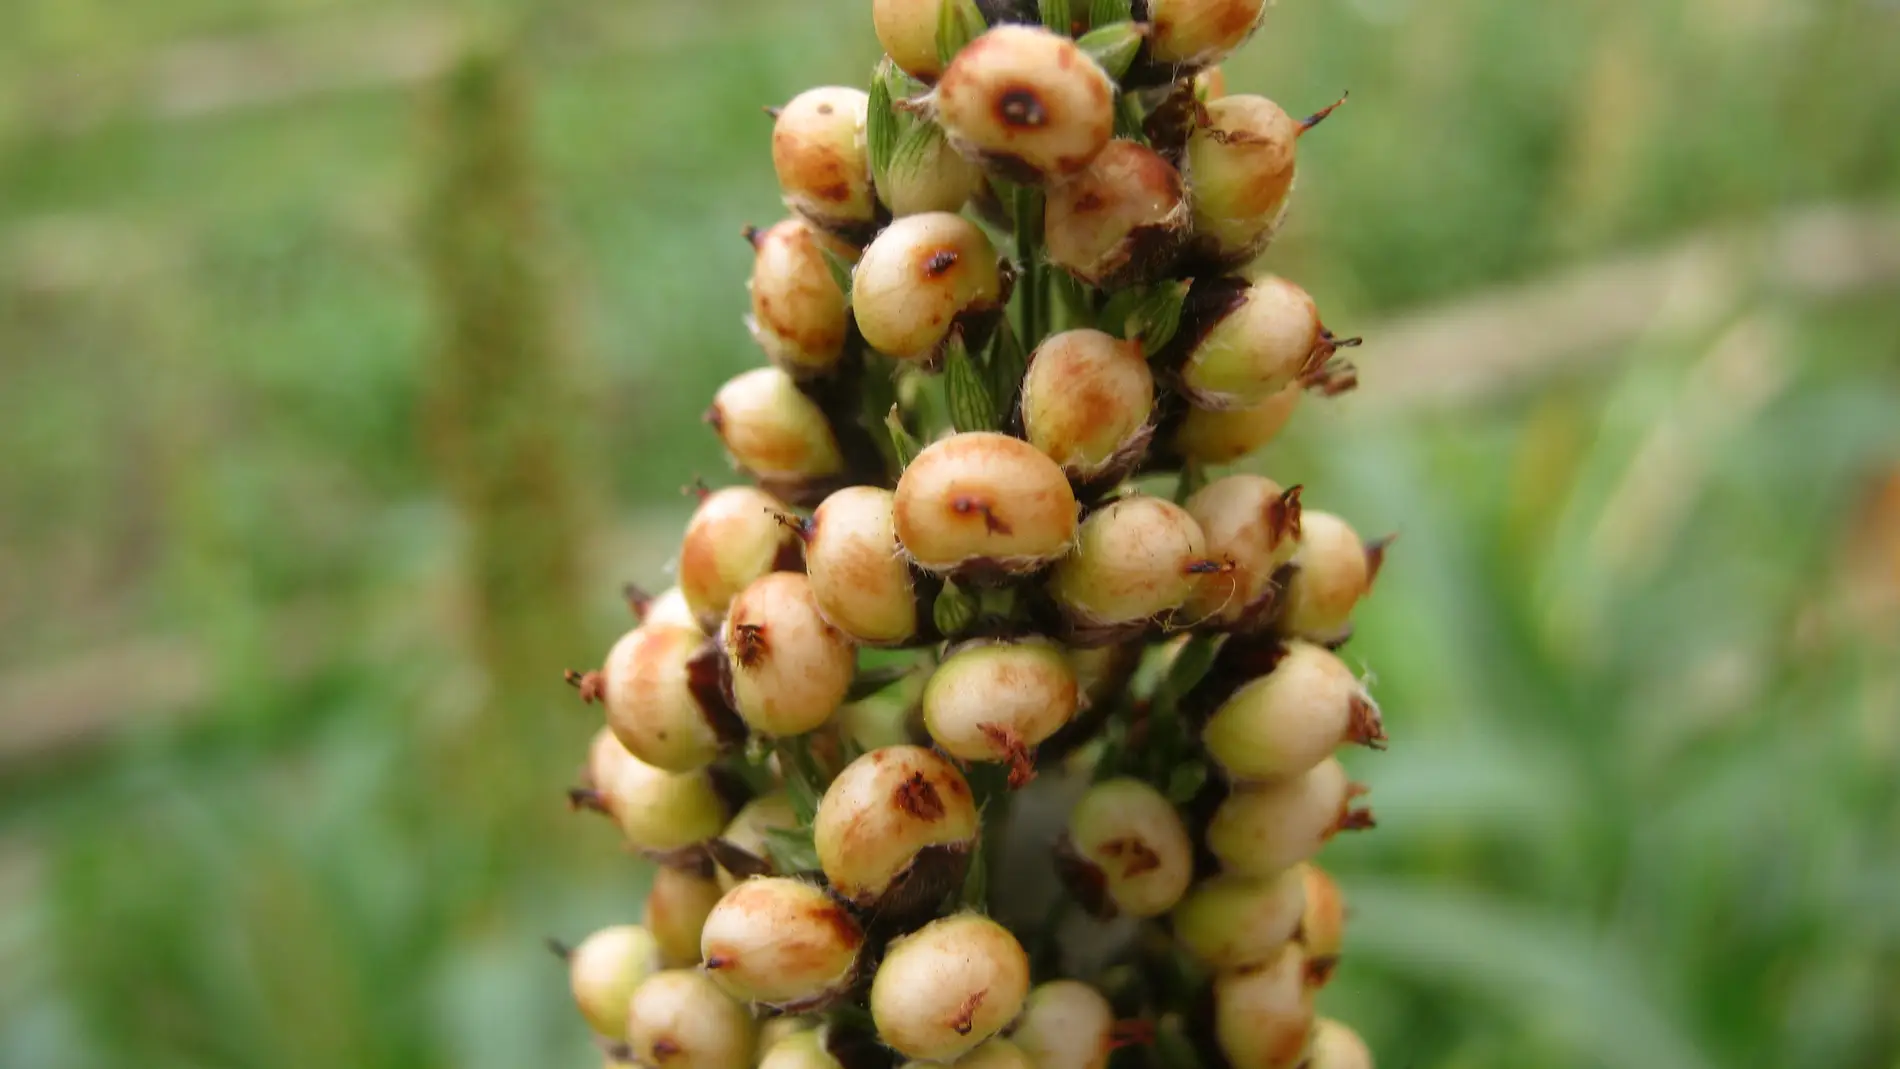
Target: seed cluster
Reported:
point(1014, 315)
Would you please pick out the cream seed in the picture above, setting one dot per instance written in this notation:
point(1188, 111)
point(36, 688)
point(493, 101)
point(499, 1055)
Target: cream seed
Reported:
point(790, 669)
point(984, 503)
point(819, 153)
point(1027, 104)
point(1086, 402)
point(922, 278)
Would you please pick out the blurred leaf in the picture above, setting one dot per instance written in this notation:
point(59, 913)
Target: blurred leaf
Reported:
point(1055, 15)
point(1539, 966)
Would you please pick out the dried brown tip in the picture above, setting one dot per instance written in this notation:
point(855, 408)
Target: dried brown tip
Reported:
point(1363, 724)
point(773, 110)
point(698, 488)
point(752, 235)
point(591, 685)
point(1320, 970)
point(1375, 557)
point(579, 798)
point(940, 262)
point(1136, 856)
point(1021, 758)
point(919, 798)
point(1320, 116)
point(1207, 566)
point(557, 948)
point(1350, 818)
point(638, 600)
point(966, 1013)
point(1332, 378)
point(964, 506)
point(1283, 515)
point(716, 962)
point(752, 645)
point(1134, 1032)
point(798, 525)
point(664, 1048)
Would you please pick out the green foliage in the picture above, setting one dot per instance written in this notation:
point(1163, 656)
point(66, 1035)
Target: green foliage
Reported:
point(1640, 773)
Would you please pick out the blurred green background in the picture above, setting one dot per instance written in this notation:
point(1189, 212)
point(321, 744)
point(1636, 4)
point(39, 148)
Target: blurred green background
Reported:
point(342, 381)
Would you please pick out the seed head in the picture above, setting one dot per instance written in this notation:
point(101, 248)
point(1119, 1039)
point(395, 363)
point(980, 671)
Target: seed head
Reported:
point(1222, 437)
point(1086, 401)
point(945, 988)
point(984, 502)
point(1231, 922)
point(650, 702)
point(798, 312)
point(997, 701)
point(1240, 166)
point(1190, 33)
point(733, 538)
point(1263, 1015)
point(659, 812)
point(885, 813)
point(818, 150)
point(1336, 1046)
point(1263, 829)
point(790, 669)
point(604, 970)
point(922, 277)
point(1066, 1024)
point(1293, 717)
point(1322, 923)
point(782, 943)
point(1121, 221)
point(676, 909)
point(860, 579)
point(1134, 840)
point(680, 1019)
point(1135, 559)
point(1253, 526)
point(1027, 104)
point(748, 832)
point(1335, 570)
point(773, 431)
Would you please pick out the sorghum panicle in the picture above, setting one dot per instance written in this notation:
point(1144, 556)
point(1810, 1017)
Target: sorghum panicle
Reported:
point(1016, 314)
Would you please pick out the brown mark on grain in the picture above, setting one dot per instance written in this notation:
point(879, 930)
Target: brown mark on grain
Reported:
point(919, 798)
point(1020, 107)
point(965, 505)
point(665, 1047)
point(1010, 747)
point(939, 263)
point(965, 1019)
point(1136, 856)
point(1320, 970)
point(750, 645)
point(844, 929)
